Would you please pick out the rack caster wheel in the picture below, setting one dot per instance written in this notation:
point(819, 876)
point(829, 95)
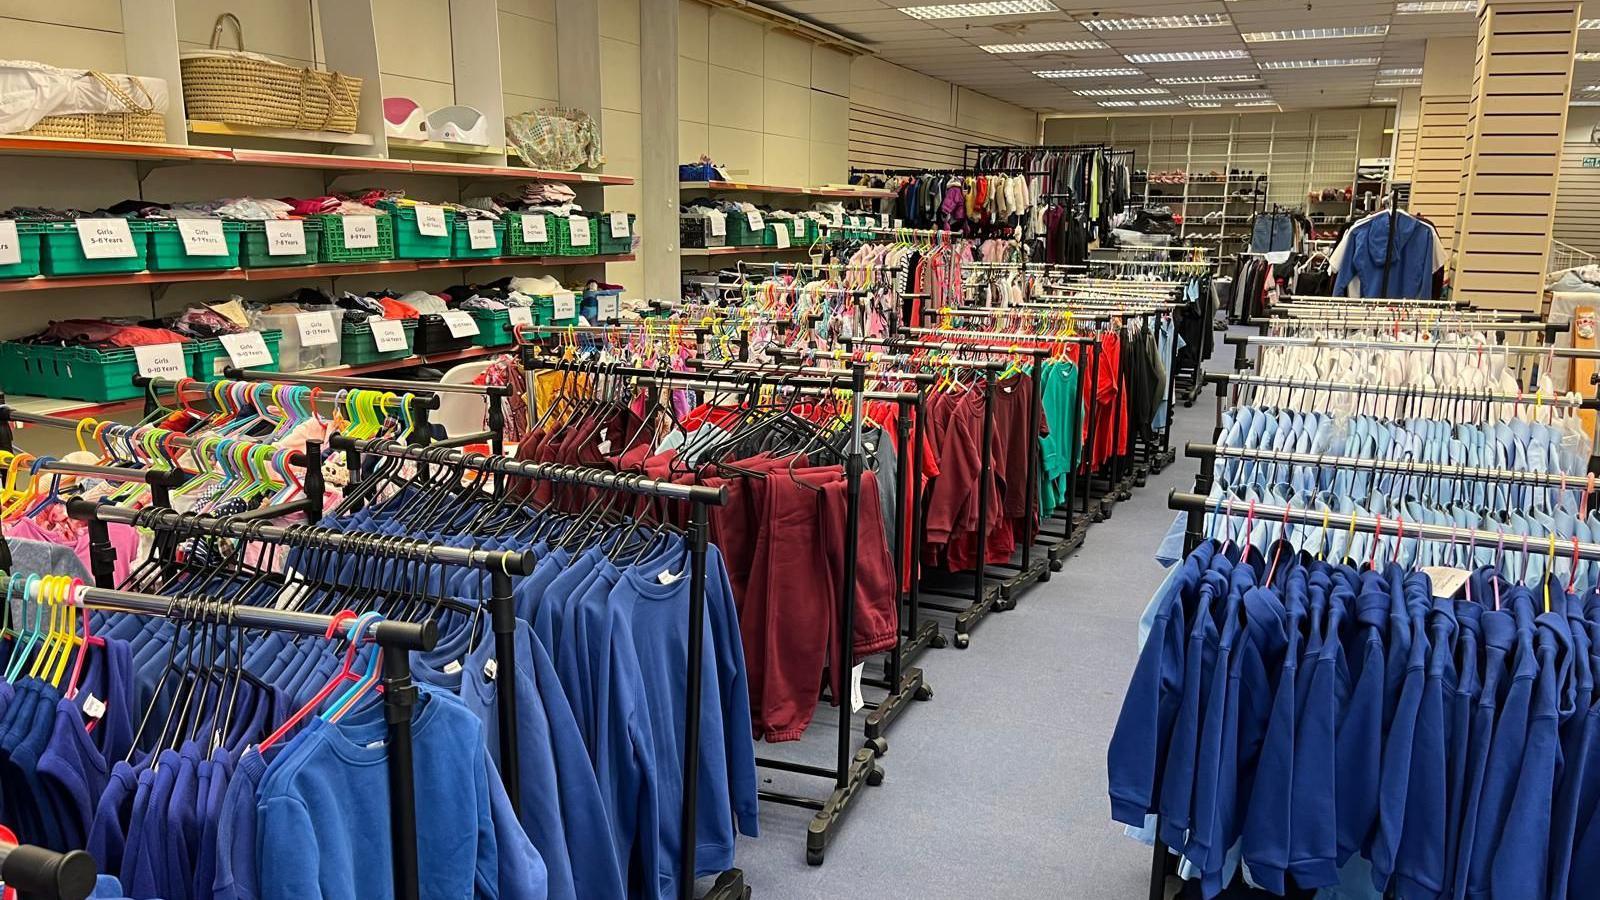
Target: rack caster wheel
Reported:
point(938, 641)
point(875, 777)
point(962, 641)
point(924, 693)
point(878, 746)
point(1045, 575)
point(813, 857)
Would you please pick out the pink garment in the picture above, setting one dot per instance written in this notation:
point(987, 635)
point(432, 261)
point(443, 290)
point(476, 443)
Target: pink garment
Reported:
point(124, 540)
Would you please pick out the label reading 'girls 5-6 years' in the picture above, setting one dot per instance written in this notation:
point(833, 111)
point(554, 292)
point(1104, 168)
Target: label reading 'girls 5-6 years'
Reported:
point(106, 238)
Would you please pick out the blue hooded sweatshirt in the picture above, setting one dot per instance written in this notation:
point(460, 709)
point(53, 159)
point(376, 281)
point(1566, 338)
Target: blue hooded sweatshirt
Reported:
point(1507, 746)
point(1400, 742)
point(1411, 262)
point(1314, 829)
point(1267, 819)
point(1359, 746)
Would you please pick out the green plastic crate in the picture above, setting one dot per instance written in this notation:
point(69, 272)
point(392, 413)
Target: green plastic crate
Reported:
point(331, 248)
point(62, 254)
point(494, 328)
point(356, 349)
point(253, 252)
point(740, 234)
point(169, 254)
point(73, 373)
point(211, 357)
point(461, 241)
point(609, 244)
point(410, 243)
point(28, 247)
point(516, 246)
point(563, 235)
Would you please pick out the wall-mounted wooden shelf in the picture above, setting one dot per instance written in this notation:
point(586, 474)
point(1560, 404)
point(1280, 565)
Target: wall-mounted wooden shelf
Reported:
point(747, 187)
point(299, 273)
point(228, 129)
point(742, 251)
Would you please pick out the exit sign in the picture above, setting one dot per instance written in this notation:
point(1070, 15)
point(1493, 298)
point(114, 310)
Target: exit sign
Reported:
point(1591, 162)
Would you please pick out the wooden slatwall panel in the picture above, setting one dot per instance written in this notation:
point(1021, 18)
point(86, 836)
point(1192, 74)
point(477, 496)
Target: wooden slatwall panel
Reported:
point(1517, 125)
point(1437, 162)
point(881, 138)
point(1405, 153)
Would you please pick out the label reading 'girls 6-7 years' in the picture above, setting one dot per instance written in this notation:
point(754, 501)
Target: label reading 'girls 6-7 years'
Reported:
point(203, 237)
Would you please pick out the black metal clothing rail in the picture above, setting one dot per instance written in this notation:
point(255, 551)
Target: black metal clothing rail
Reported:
point(39, 874)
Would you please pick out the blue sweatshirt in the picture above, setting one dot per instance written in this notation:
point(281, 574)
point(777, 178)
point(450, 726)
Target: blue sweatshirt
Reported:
point(1150, 707)
point(1509, 743)
point(734, 690)
point(1400, 737)
point(1409, 256)
point(235, 877)
point(1272, 800)
point(1219, 731)
point(1420, 863)
point(1359, 751)
point(1499, 637)
point(1314, 823)
point(1469, 681)
point(1177, 794)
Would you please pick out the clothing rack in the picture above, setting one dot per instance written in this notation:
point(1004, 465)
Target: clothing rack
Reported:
point(399, 691)
point(39, 874)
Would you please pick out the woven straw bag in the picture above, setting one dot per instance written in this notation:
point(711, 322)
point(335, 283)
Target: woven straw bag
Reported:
point(242, 88)
point(139, 122)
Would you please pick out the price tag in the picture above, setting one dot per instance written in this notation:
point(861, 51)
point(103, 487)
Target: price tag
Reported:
point(566, 305)
point(161, 361)
point(461, 323)
point(781, 231)
point(883, 220)
point(719, 224)
point(610, 307)
point(838, 219)
point(619, 225)
point(317, 329)
point(535, 230)
point(857, 701)
point(286, 237)
point(388, 335)
point(756, 221)
point(360, 232)
point(578, 228)
point(520, 316)
point(106, 238)
point(202, 237)
point(480, 234)
point(247, 349)
point(899, 224)
point(431, 221)
point(10, 248)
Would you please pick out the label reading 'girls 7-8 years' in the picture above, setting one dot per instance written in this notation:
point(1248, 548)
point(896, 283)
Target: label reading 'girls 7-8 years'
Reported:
point(286, 237)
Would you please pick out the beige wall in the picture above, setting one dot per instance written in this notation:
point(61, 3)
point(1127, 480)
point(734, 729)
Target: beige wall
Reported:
point(1578, 197)
point(900, 118)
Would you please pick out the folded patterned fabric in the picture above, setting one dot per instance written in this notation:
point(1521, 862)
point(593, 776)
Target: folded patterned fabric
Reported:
point(104, 333)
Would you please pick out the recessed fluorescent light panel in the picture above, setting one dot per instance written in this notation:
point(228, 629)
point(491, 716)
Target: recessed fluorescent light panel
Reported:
point(1315, 34)
point(1257, 103)
point(1043, 47)
point(1224, 98)
point(1398, 82)
point(1317, 63)
point(1400, 72)
point(1187, 56)
point(1586, 56)
point(1086, 73)
point(1153, 23)
point(1120, 92)
point(974, 10)
point(1589, 24)
point(1119, 103)
point(1436, 6)
point(1170, 101)
point(1193, 105)
point(1210, 79)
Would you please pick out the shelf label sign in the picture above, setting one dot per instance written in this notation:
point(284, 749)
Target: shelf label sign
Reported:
point(10, 248)
point(535, 230)
point(756, 221)
point(431, 221)
point(161, 361)
point(286, 237)
point(781, 232)
point(566, 304)
point(718, 223)
point(360, 232)
point(480, 234)
point(106, 239)
point(316, 329)
point(461, 323)
point(203, 237)
point(610, 307)
point(578, 228)
point(520, 316)
point(619, 225)
point(247, 349)
point(388, 335)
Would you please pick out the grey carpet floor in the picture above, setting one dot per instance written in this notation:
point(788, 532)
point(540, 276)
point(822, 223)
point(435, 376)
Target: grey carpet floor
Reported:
point(997, 787)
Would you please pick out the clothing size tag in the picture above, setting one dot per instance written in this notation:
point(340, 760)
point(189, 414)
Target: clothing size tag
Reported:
point(10, 246)
point(578, 230)
point(669, 577)
point(535, 230)
point(781, 232)
point(610, 307)
point(619, 225)
point(203, 237)
point(161, 361)
point(316, 329)
point(388, 335)
point(461, 323)
point(286, 237)
point(360, 232)
point(857, 701)
point(106, 238)
point(452, 667)
point(247, 349)
point(491, 668)
point(93, 706)
point(431, 221)
point(1446, 581)
point(480, 234)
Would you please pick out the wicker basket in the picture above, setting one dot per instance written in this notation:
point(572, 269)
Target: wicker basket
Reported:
point(247, 89)
point(140, 123)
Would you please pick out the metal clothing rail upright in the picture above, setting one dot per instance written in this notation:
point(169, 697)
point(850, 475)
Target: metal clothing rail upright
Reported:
point(398, 639)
